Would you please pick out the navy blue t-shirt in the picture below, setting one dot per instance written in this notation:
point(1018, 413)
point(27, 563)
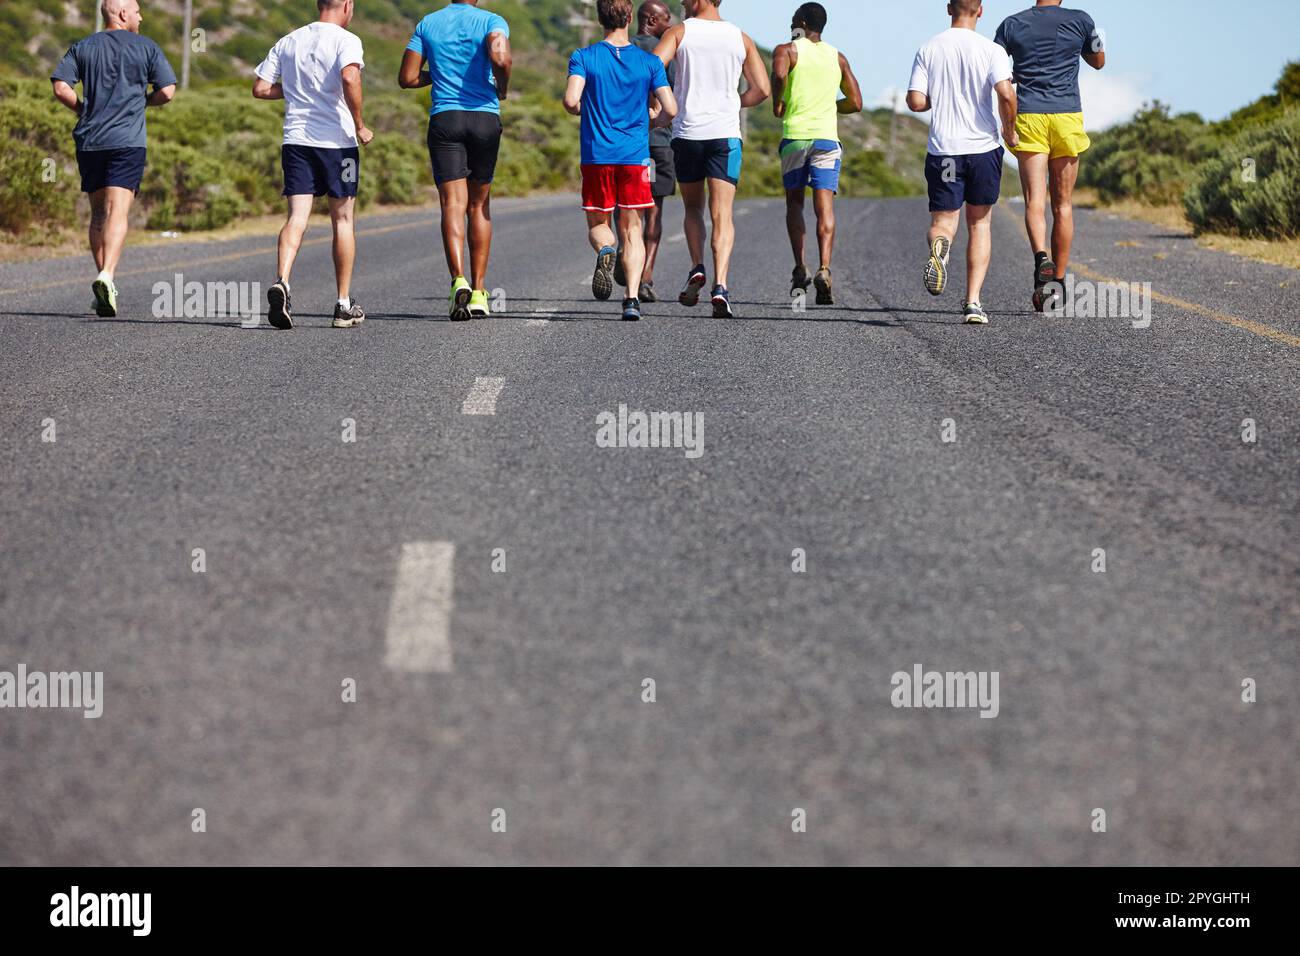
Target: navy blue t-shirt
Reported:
point(115, 69)
point(1045, 44)
point(616, 102)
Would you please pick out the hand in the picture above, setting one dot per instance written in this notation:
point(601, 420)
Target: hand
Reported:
point(1012, 138)
point(364, 136)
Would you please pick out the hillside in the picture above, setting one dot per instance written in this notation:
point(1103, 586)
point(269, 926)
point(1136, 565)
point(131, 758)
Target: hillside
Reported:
point(215, 156)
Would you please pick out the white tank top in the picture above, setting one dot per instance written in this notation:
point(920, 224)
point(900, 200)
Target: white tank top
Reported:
point(710, 63)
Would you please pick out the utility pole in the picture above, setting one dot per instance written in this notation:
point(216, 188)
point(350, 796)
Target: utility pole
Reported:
point(185, 49)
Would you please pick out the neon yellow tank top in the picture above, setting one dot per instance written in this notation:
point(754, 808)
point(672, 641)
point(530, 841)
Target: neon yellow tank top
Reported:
point(812, 92)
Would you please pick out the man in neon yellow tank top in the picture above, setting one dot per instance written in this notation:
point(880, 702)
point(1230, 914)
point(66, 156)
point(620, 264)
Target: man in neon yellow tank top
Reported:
point(808, 75)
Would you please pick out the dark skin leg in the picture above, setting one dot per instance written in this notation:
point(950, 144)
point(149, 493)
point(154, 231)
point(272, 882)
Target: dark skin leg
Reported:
point(480, 231)
point(824, 204)
point(464, 200)
point(654, 233)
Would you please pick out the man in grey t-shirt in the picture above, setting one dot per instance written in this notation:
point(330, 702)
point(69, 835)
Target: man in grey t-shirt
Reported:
point(116, 69)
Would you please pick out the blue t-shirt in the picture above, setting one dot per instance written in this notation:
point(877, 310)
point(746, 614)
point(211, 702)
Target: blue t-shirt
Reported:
point(116, 68)
point(616, 102)
point(454, 42)
point(1045, 44)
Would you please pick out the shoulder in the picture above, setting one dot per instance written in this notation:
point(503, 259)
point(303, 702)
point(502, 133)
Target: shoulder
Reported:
point(783, 49)
point(1083, 20)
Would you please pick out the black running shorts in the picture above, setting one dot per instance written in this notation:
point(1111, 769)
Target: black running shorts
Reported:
point(464, 145)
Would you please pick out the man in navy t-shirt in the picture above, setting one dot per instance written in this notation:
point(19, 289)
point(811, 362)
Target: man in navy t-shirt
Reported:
point(120, 73)
point(1046, 44)
point(616, 87)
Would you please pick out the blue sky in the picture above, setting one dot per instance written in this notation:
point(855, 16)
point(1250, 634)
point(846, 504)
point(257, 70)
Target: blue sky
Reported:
point(1205, 56)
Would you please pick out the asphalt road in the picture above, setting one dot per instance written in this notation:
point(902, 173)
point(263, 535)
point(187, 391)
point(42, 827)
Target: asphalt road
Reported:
point(521, 690)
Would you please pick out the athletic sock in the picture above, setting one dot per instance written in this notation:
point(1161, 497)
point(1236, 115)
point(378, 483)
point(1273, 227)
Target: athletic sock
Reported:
point(345, 304)
point(284, 282)
point(104, 276)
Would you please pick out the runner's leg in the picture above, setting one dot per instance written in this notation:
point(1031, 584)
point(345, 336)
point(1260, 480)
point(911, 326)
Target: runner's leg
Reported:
point(345, 243)
point(979, 225)
point(634, 252)
point(480, 231)
point(794, 222)
point(654, 234)
point(1033, 183)
point(824, 204)
point(1064, 174)
point(722, 200)
point(295, 227)
point(453, 195)
point(116, 209)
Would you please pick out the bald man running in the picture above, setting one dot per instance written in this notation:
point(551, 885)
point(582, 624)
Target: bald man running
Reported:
point(116, 69)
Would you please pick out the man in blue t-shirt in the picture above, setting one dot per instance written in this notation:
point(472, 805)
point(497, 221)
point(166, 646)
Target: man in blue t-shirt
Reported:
point(116, 69)
point(464, 54)
point(616, 87)
point(1046, 43)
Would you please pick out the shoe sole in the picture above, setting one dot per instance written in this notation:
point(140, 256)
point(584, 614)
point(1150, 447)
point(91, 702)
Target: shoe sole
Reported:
point(277, 314)
point(977, 321)
point(722, 308)
point(348, 323)
point(1045, 274)
point(104, 308)
point(460, 306)
point(478, 314)
point(936, 273)
point(690, 296)
point(632, 317)
point(602, 281)
point(825, 294)
point(647, 295)
point(797, 287)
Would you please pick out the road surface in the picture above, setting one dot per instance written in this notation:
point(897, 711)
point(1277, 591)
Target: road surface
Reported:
point(498, 589)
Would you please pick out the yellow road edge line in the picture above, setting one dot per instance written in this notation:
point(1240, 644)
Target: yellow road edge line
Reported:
point(232, 257)
point(1247, 325)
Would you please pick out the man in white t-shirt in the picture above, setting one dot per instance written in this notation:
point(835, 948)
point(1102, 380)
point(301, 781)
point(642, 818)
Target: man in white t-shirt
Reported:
point(956, 76)
point(316, 70)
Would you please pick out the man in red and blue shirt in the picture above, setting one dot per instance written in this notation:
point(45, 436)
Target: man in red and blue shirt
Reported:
point(616, 88)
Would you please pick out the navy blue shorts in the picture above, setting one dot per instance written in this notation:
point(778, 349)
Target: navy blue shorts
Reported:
point(101, 168)
point(969, 180)
point(700, 159)
point(317, 171)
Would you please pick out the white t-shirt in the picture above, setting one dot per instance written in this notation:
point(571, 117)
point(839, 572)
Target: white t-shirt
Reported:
point(309, 64)
point(958, 70)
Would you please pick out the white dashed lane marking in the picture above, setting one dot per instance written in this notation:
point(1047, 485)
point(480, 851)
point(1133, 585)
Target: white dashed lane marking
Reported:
point(419, 619)
point(541, 317)
point(482, 398)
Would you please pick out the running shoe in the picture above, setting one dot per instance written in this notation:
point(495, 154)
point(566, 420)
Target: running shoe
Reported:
point(799, 280)
point(1044, 276)
point(825, 293)
point(459, 300)
point(975, 314)
point(722, 303)
point(602, 280)
point(690, 295)
point(347, 318)
point(648, 292)
point(105, 298)
point(631, 310)
point(279, 311)
point(478, 304)
point(936, 270)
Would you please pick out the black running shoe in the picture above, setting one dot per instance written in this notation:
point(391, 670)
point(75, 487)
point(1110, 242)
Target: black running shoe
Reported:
point(825, 292)
point(799, 280)
point(631, 310)
point(1044, 277)
point(722, 303)
point(602, 280)
point(648, 292)
point(690, 295)
point(279, 306)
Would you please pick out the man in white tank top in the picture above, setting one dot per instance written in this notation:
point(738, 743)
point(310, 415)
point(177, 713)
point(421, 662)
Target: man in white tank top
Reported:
point(710, 56)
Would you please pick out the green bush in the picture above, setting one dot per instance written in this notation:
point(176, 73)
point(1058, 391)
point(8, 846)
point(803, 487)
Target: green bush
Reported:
point(1151, 158)
point(1252, 188)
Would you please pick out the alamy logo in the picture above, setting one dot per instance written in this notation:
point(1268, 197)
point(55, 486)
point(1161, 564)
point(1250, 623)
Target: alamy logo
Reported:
point(208, 300)
point(922, 688)
point(133, 910)
point(76, 690)
point(1072, 299)
point(634, 429)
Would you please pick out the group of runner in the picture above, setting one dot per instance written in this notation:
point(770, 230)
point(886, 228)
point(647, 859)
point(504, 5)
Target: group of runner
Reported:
point(658, 109)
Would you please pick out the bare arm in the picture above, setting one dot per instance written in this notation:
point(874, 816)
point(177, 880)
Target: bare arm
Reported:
point(66, 95)
point(755, 75)
point(666, 104)
point(412, 75)
point(352, 96)
point(668, 44)
point(573, 94)
point(1007, 107)
point(263, 90)
point(1095, 60)
point(852, 102)
point(917, 101)
point(502, 62)
point(162, 96)
point(783, 57)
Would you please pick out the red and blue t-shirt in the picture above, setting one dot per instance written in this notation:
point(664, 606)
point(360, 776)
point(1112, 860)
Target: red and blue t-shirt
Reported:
point(615, 102)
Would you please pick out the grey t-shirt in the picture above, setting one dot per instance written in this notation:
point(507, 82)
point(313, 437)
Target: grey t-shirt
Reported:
point(115, 69)
point(659, 136)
